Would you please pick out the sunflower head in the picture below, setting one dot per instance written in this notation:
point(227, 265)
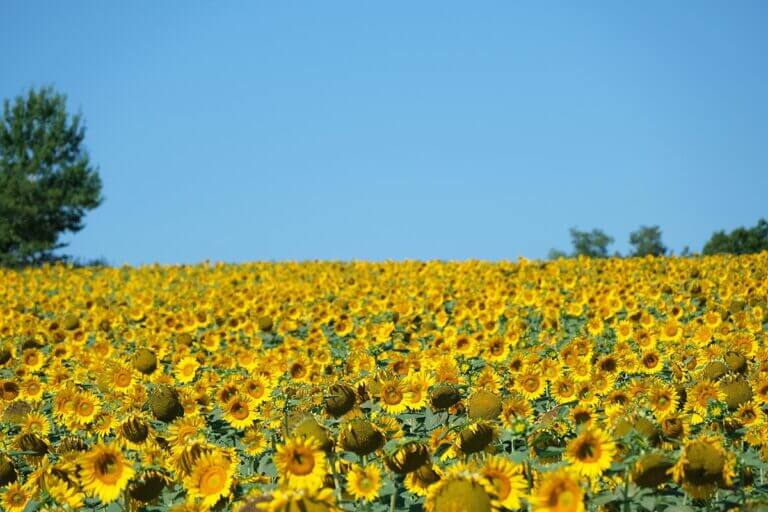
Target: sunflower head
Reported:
point(737, 391)
point(165, 404)
point(408, 457)
point(444, 396)
point(308, 427)
point(8, 472)
point(105, 472)
point(32, 443)
point(459, 492)
point(484, 405)
point(360, 436)
point(145, 361)
point(340, 400)
point(16, 412)
point(652, 470)
point(147, 486)
point(135, 429)
point(558, 491)
point(475, 437)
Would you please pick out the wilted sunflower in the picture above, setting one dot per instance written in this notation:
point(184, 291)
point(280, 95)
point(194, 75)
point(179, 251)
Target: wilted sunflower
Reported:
point(364, 483)
point(301, 463)
point(591, 452)
point(105, 472)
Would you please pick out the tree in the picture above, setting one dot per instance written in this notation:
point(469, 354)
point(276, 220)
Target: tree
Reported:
point(593, 244)
point(647, 240)
point(46, 180)
point(739, 241)
point(555, 254)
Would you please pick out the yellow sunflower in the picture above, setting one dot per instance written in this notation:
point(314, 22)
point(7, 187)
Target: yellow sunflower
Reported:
point(105, 472)
point(460, 490)
point(211, 477)
point(15, 498)
point(591, 452)
point(507, 480)
point(185, 370)
point(558, 491)
point(301, 463)
point(240, 412)
point(364, 483)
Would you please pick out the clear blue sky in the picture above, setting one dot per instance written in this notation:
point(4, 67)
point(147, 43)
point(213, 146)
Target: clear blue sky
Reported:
point(298, 130)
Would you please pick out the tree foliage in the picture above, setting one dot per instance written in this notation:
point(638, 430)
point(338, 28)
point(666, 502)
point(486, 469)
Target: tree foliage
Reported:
point(647, 241)
point(739, 241)
point(590, 243)
point(47, 182)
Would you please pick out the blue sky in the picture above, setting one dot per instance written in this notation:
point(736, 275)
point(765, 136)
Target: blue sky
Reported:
point(243, 131)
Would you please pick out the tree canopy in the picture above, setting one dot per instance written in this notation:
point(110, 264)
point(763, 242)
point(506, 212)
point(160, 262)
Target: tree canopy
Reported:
point(739, 241)
point(647, 241)
point(47, 183)
point(593, 244)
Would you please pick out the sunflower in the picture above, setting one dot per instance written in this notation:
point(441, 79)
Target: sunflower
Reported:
point(86, 408)
point(15, 498)
point(663, 400)
point(301, 463)
point(258, 388)
point(185, 369)
point(105, 472)
point(240, 412)
point(36, 423)
point(558, 491)
point(255, 442)
point(393, 396)
point(460, 490)
point(700, 394)
point(507, 480)
point(211, 477)
point(364, 483)
point(292, 500)
point(591, 452)
point(530, 384)
point(417, 482)
point(703, 466)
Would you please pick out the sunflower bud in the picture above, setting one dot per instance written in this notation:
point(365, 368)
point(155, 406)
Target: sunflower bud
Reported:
point(265, 323)
point(361, 437)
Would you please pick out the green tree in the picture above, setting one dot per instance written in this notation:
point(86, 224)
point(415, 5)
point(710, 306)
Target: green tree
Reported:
point(647, 240)
point(46, 180)
point(739, 241)
point(593, 244)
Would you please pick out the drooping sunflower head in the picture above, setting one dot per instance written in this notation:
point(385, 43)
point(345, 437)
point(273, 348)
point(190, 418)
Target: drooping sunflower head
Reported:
point(408, 457)
point(360, 436)
point(476, 437)
point(703, 466)
point(652, 470)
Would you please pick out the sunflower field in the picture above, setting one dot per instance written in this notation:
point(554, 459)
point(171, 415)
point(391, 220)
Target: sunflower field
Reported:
point(579, 384)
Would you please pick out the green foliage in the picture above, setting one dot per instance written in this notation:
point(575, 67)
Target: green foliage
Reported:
point(593, 244)
point(46, 180)
point(647, 240)
point(739, 241)
point(556, 254)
